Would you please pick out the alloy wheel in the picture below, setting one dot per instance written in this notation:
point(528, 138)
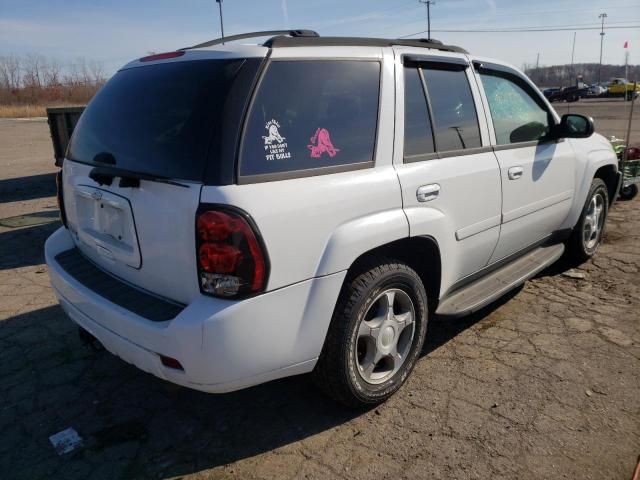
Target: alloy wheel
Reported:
point(593, 222)
point(385, 335)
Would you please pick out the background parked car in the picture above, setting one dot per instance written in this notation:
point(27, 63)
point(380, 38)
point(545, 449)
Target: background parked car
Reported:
point(596, 91)
point(621, 87)
point(568, 94)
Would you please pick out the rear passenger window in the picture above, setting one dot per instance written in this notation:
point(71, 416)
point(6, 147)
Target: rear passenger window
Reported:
point(454, 114)
point(418, 136)
point(309, 114)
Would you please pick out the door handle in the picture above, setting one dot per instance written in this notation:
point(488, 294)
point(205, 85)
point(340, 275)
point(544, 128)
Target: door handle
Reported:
point(515, 173)
point(426, 193)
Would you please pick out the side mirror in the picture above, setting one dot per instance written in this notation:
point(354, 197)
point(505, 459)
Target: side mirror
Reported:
point(575, 126)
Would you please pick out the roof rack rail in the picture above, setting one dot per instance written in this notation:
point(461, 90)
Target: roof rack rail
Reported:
point(268, 33)
point(282, 41)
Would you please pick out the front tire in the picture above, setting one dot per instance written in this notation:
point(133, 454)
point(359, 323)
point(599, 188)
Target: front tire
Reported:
point(588, 232)
point(375, 336)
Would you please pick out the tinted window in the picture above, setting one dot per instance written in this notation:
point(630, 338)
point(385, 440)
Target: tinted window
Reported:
point(517, 116)
point(454, 113)
point(311, 114)
point(157, 119)
point(418, 137)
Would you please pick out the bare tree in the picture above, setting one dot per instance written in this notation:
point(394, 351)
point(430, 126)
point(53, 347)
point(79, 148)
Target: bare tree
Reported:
point(33, 67)
point(4, 74)
point(37, 81)
point(83, 70)
point(52, 73)
point(97, 72)
point(72, 75)
point(10, 72)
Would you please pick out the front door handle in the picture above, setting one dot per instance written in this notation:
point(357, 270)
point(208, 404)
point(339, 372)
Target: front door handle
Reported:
point(515, 173)
point(426, 193)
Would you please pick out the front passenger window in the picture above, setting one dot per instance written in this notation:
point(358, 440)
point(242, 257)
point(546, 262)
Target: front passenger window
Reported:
point(517, 116)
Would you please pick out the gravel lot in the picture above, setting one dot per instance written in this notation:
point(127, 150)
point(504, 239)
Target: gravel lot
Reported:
point(543, 384)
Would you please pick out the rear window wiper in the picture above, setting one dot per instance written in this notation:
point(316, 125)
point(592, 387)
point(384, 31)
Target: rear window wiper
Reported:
point(104, 175)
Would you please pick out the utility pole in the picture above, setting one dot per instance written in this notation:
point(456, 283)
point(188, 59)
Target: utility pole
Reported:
point(428, 3)
point(219, 2)
point(537, 67)
point(601, 16)
point(573, 51)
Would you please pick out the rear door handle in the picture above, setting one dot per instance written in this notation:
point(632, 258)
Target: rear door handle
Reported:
point(515, 173)
point(426, 193)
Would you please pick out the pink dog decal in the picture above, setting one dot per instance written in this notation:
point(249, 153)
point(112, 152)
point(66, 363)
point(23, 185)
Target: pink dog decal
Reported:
point(321, 143)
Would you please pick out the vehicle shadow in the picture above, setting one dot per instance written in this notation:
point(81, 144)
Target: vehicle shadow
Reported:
point(24, 247)
point(441, 330)
point(542, 160)
point(52, 381)
point(138, 425)
point(27, 188)
point(564, 264)
point(164, 430)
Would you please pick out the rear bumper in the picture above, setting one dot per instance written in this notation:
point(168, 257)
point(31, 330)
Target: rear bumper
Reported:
point(223, 345)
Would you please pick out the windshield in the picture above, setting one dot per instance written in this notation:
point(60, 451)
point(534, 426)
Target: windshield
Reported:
point(162, 119)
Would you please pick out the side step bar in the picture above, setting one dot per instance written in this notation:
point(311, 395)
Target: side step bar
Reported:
point(485, 290)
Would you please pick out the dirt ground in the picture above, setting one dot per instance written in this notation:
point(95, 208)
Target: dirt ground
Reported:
point(545, 384)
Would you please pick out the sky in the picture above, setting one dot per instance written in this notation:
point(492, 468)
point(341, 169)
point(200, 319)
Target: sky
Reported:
point(116, 31)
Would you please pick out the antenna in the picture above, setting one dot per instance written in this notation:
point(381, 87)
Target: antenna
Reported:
point(219, 2)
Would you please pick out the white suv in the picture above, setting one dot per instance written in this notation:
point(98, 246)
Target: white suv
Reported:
point(235, 214)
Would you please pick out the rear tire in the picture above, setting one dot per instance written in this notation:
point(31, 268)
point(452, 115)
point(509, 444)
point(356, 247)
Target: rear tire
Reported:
point(588, 232)
point(376, 334)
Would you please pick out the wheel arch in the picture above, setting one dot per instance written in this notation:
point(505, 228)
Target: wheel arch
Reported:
point(609, 175)
point(420, 253)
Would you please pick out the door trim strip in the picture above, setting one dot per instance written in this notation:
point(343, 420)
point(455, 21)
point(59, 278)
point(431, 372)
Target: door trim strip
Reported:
point(535, 206)
point(478, 227)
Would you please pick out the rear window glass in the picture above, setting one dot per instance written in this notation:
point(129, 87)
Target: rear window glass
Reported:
point(309, 114)
point(454, 113)
point(157, 119)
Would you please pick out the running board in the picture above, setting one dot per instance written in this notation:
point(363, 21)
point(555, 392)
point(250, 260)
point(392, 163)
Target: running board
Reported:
point(485, 290)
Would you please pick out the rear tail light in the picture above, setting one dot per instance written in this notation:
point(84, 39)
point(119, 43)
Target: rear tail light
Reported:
point(232, 260)
point(60, 198)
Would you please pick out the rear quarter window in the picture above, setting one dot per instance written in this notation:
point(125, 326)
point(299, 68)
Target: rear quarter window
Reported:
point(312, 116)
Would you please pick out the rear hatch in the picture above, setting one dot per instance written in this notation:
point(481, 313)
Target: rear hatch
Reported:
point(140, 153)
